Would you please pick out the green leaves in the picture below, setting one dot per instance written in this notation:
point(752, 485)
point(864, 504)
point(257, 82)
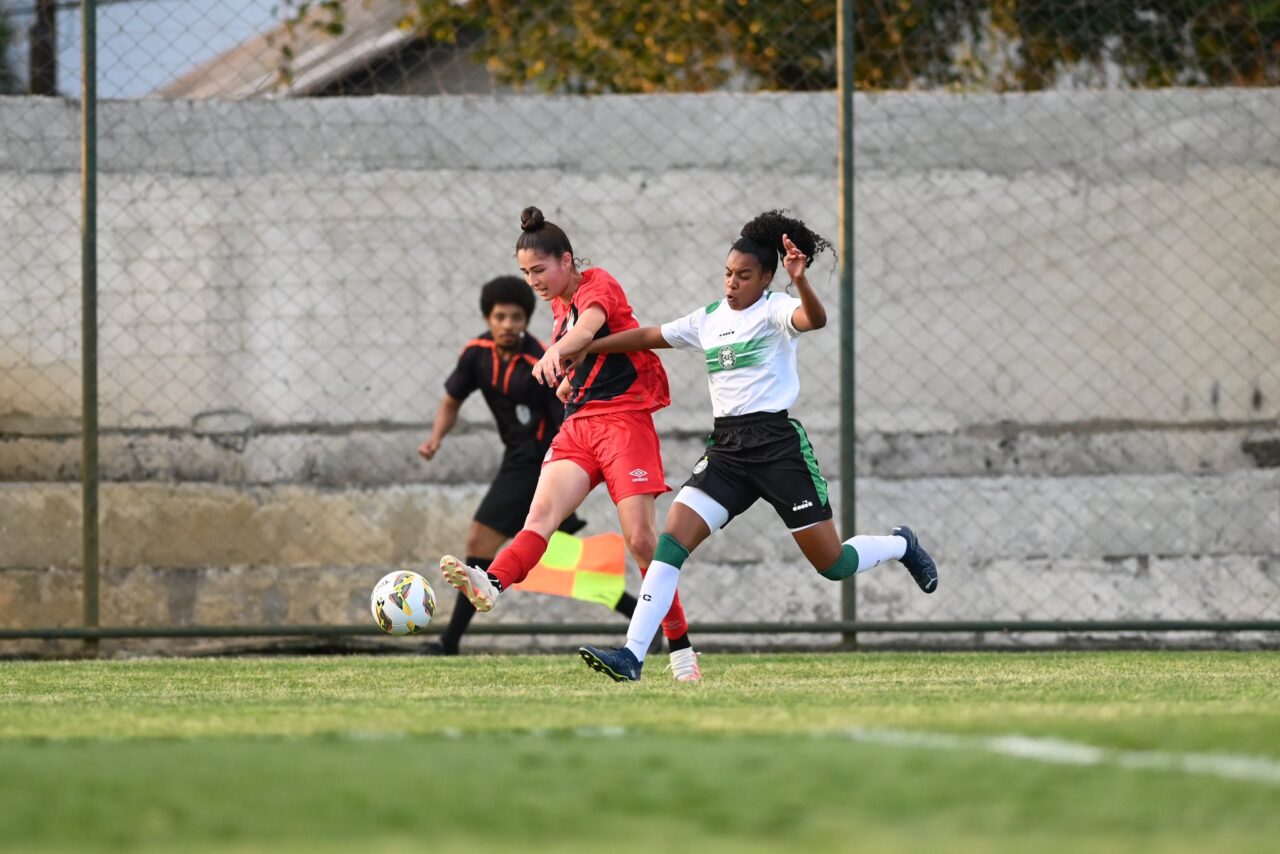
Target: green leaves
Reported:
point(586, 47)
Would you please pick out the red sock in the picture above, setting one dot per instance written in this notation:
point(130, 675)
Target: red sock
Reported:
point(517, 560)
point(674, 625)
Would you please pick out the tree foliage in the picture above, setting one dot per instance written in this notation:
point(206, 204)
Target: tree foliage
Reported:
point(1149, 43)
point(589, 46)
point(660, 45)
point(1024, 45)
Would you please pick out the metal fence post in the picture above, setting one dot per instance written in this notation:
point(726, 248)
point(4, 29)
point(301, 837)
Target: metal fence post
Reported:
point(848, 509)
point(89, 314)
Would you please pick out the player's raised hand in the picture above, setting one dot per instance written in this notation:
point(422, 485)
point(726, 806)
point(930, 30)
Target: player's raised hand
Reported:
point(549, 370)
point(569, 361)
point(794, 261)
point(428, 449)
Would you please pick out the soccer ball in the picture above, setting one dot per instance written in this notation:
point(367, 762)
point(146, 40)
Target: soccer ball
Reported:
point(402, 603)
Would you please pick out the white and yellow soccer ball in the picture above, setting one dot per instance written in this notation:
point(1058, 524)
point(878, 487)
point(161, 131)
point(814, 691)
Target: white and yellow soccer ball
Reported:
point(402, 603)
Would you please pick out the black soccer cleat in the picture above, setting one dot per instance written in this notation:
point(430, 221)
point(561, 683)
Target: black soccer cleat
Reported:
point(917, 560)
point(438, 648)
point(619, 664)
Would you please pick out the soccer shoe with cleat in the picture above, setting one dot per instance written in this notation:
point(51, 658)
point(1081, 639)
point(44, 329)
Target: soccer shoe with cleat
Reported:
point(620, 665)
point(471, 582)
point(684, 666)
point(917, 560)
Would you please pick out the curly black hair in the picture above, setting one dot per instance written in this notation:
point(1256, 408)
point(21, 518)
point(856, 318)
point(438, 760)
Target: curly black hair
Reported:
point(507, 290)
point(762, 238)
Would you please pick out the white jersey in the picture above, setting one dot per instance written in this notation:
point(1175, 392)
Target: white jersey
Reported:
point(751, 354)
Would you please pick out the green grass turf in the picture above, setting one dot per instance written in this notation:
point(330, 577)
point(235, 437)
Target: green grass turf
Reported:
point(539, 753)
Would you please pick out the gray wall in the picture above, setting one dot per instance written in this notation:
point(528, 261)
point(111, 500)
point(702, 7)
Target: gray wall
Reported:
point(1068, 359)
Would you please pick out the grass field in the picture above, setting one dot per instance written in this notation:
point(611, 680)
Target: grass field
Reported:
point(1110, 751)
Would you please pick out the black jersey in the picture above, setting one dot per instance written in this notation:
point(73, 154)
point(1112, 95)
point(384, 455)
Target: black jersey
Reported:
point(523, 408)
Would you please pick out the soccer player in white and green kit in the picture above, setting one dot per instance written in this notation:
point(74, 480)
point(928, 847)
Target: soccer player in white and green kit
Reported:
point(755, 450)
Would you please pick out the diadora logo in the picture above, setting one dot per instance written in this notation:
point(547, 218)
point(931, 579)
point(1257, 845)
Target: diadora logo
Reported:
point(725, 334)
point(803, 505)
point(639, 476)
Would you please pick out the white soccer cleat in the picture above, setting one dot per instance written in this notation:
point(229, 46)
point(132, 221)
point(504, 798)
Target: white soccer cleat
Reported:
point(684, 666)
point(471, 582)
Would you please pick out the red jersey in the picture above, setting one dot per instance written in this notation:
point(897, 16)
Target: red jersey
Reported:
point(609, 382)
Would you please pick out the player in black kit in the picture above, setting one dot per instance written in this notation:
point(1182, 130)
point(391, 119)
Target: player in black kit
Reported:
point(499, 364)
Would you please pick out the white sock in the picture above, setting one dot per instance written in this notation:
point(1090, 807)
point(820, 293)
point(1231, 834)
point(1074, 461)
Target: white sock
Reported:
point(873, 551)
point(656, 594)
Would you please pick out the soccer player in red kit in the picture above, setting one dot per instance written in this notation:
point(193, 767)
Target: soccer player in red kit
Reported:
point(608, 434)
point(499, 364)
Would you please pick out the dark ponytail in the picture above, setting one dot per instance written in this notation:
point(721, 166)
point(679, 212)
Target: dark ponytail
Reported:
point(545, 238)
point(762, 239)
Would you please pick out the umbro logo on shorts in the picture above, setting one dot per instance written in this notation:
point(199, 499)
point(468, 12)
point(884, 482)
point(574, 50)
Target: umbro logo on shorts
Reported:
point(803, 505)
point(639, 476)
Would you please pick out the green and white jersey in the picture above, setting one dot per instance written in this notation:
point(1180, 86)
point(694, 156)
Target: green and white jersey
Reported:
point(751, 354)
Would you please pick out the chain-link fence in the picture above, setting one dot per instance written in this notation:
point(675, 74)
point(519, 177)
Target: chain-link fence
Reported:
point(1068, 306)
point(1065, 313)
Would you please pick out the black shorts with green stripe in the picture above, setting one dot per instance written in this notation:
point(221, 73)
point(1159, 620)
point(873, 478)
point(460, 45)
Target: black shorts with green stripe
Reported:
point(763, 455)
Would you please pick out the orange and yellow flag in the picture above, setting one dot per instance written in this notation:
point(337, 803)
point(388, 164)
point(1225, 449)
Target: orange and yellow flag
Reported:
point(593, 569)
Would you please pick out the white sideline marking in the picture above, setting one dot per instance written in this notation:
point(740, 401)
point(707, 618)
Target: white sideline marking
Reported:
point(1249, 769)
point(1253, 769)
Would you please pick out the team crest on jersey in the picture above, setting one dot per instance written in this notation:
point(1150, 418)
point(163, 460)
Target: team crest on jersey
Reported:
point(523, 415)
point(701, 466)
point(727, 357)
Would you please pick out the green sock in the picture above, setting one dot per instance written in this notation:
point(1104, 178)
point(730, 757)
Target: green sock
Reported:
point(845, 566)
point(670, 551)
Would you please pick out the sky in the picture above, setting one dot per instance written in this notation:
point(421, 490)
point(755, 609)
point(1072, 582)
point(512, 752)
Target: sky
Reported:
point(143, 44)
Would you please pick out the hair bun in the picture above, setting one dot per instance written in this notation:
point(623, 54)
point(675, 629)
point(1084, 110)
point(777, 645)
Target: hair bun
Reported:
point(531, 219)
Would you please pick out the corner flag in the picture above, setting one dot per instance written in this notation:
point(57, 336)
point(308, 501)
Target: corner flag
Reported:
point(593, 569)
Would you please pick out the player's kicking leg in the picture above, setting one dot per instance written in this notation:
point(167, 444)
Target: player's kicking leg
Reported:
point(562, 485)
point(471, 581)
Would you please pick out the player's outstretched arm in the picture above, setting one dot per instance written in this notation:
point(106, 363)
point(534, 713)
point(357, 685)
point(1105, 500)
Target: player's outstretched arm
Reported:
point(551, 367)
point(630, 341)
point(811, 314)
point(446, 417)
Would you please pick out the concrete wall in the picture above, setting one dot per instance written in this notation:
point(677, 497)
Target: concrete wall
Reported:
point(1067, 318)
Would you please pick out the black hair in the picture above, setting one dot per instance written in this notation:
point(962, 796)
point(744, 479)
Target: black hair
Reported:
point(762, 239)
point(507, 290)
point(545, 238)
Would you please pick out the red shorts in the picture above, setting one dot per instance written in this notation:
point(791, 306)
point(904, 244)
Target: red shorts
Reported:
point(618, 448)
